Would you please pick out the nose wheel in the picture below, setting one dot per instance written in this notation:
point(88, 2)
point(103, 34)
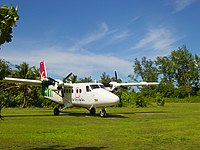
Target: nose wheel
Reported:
point(103, 112)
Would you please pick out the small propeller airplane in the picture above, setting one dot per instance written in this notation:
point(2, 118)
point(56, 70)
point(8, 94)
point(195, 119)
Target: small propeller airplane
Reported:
point(85, 95)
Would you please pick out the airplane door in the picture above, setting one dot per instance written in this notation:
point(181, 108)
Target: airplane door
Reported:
point(78, 97)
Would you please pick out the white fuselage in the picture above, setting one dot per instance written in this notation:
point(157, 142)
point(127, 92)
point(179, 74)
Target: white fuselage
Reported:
point(83, 95)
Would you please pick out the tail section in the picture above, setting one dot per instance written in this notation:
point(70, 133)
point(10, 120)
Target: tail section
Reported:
point(43, 72)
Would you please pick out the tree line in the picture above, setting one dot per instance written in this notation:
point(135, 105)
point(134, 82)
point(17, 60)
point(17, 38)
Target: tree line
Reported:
point(178, 74)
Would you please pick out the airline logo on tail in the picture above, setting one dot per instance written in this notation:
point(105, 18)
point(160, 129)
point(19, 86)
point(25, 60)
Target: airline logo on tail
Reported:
point(43, 72)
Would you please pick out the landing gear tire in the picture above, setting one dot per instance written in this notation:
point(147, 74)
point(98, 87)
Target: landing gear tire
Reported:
point(56, 112)
point(92, 111)
point(103, 112)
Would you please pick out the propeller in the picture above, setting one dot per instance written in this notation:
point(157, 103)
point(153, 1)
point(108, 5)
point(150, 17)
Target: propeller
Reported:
point(110, 85)
point(59, 84)
point(117, 81)
point(51, 81)
point(67, 76)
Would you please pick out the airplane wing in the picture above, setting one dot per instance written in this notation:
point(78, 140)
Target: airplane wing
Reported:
point(22, 81)
point(31, 82)
point(116, 85)
point(68, 85)
point(133, 84)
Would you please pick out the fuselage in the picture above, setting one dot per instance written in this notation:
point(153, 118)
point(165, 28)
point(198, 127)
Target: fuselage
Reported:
point(83, 95)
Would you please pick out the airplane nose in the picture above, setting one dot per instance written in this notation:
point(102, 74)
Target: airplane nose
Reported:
point(115, 98)
point(106, 98)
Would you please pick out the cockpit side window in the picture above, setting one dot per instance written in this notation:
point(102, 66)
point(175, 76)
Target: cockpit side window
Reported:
point(102, 86)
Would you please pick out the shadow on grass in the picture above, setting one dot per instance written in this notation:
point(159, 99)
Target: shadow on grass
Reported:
point(75, 114)
point(22, 115)
point(56, 147)
point(146, 112)
point(93, 115)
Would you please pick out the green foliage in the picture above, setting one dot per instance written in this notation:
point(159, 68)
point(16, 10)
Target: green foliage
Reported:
point(4, 68)
point(141, 101)
point(126, 98)
point(73, 79)
point(8, 18)
point(85, 80)
point(179, 74)
point(159, 99)
point(105, 79)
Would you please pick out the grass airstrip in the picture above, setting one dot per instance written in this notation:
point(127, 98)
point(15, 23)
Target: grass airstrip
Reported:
point(174, 126)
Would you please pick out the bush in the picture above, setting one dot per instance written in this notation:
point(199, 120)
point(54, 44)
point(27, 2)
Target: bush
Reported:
point(160, 100)
point(140, 101)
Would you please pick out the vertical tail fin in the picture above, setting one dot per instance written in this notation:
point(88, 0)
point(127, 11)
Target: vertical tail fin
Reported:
point(43, 72)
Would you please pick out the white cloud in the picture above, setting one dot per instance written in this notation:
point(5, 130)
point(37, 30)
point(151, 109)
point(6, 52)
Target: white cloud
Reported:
point(76, 58)
point(121, 35)
point(90, 38)
point(179, 5)
point(157, 39)
point(60, 63)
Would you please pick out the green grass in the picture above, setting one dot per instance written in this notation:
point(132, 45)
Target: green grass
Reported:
point(174, 126)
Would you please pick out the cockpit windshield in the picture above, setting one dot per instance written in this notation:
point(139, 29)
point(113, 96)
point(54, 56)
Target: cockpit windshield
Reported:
point(96, 86)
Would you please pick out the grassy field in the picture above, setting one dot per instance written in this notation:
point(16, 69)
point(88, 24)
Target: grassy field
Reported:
point(174, 126)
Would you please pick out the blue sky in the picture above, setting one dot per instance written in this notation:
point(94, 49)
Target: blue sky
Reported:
point(89, 37)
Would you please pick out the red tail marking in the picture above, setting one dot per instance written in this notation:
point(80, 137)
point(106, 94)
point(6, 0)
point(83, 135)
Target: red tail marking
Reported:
point(43, 72)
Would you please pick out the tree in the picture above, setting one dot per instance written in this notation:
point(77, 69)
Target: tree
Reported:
point(4, 71)
point(179, 72)
point(148, 72)
point(8, 18)
point(85, 80)
point(166, 71)
point(25, 72)
point(72, 79)
point(186, 70)
point(105, 79)
point(4, 68)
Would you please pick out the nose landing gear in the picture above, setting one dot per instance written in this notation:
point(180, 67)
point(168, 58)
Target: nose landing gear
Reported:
point(103, 112)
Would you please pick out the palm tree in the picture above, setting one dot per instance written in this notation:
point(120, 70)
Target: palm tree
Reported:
point(25, 72)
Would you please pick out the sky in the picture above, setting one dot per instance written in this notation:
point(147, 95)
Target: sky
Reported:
point(89, 37)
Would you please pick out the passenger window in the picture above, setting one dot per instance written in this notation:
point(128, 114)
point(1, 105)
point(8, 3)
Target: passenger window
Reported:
point(87, 88)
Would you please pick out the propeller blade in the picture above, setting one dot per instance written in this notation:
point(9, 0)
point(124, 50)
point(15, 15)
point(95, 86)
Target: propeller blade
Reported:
point(116, 76)
point(68, 76)
point(51, 79)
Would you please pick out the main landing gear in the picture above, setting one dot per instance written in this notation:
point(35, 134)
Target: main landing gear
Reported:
point(92, 112)
point(102, 112)
point(56, 112)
